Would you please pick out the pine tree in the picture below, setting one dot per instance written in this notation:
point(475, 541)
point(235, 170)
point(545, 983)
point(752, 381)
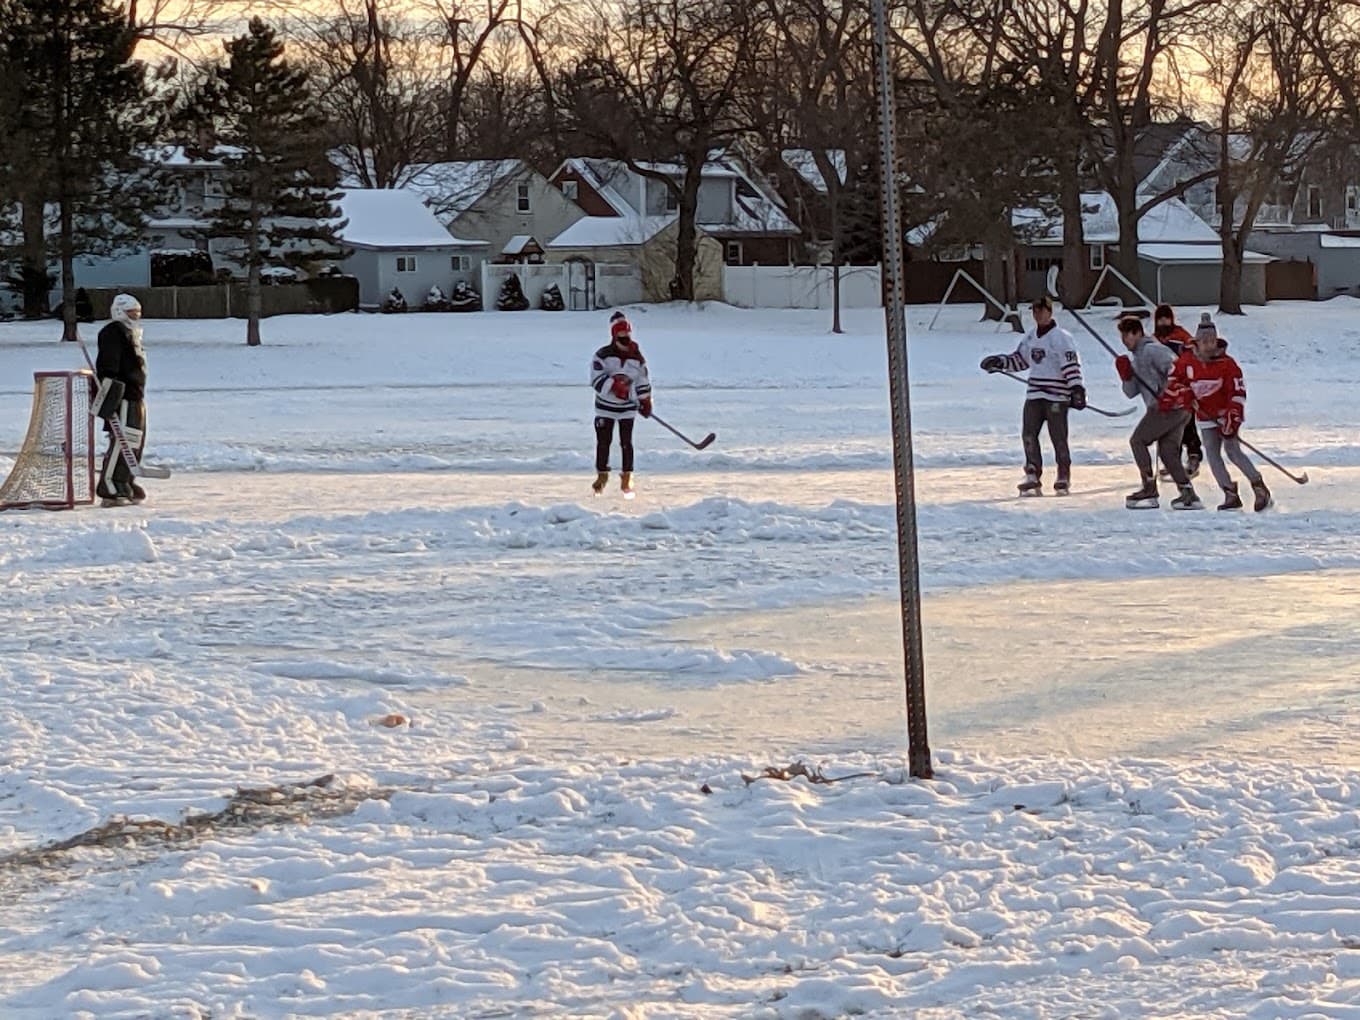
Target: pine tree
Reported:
point(278, 184)
point(86, 124)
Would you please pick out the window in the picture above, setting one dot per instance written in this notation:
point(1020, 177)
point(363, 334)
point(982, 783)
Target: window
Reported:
point(406, 263)
point(672, 201)
point(571, 190)
point(734, 253)
point(1097, 256)
point(1314, 202)
point(1041, 263)
point(460, 263)
point(522, 203)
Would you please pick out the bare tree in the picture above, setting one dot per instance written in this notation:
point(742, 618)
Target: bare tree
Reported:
point(1273, 99)
point(660, 83)
point(809, 91)
point(375, 82)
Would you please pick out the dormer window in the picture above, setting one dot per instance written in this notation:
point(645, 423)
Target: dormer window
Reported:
point(672, 201)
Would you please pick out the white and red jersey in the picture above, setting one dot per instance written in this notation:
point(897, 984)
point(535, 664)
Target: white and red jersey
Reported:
point(619, 359)
point(1217, 386)
point(1050, 356)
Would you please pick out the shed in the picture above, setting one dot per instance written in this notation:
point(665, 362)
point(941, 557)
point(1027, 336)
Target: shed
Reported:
point(644, 242)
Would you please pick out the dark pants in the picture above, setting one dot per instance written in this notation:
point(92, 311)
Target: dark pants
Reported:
point(1037, 414)
point(115, 477)
point(604, 438)
point(1191, 441)
point(1166, 429)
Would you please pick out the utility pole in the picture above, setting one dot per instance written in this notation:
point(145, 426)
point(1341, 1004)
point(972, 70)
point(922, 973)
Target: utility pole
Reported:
point(909, 572)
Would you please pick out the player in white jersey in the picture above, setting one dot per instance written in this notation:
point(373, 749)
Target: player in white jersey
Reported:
point(1049, 354)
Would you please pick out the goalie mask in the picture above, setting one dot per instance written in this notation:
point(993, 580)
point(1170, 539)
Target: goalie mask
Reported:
point(127, 310)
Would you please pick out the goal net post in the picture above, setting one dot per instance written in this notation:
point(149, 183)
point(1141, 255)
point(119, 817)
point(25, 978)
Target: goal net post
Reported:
point(54, 467)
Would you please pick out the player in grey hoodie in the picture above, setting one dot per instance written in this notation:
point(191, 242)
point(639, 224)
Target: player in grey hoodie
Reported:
point(1145, 372)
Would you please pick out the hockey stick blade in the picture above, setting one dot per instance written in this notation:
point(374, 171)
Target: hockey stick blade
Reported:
point(701, 444)
point(1089, 407)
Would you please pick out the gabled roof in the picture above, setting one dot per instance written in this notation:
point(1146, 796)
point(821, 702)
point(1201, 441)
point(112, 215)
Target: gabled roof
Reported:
point(394, 219)
point(804, 164)
point(522, 244)
point(601, 174)
point(451, 188)
point(1168, 221)
point(1155, 143)
point(611, 231)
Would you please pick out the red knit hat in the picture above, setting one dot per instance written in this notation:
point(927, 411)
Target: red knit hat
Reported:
point(620, 327)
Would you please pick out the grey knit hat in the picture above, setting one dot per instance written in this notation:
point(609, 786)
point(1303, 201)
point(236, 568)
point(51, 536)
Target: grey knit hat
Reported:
point(1207, 330)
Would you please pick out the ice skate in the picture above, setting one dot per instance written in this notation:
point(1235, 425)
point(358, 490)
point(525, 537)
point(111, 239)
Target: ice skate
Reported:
point(138, 494)
point(1231, 500)
point(1062, 486)
point(1031, 486)
point(626, 484)
point(1263, 498)
point(1192, 463)
point(1187, 500)
point(601, 480)
point(1145, 498)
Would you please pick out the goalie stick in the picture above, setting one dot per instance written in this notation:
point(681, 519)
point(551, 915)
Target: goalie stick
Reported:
point(1300, 479)
point(701, 444)
point(138, 470)
point(1089, 407)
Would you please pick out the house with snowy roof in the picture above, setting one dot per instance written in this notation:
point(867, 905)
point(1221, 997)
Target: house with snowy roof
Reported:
point(1180, 257)
point(736, 209)
point(397, 242)
point(505, 202)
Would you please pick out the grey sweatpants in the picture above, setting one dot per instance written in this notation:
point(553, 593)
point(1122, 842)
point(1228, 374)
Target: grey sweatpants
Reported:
point(1165, 428)
point(1215, 445)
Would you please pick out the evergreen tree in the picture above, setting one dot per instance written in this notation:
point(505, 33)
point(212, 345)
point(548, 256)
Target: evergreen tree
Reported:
point(278, 184)
point(86, 123)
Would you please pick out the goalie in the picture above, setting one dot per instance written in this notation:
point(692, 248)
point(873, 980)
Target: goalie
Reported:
point(121, 368)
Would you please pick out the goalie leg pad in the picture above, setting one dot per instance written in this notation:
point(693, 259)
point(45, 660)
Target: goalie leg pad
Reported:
point(108, 400)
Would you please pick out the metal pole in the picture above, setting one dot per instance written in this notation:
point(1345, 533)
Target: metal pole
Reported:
point(918, 747)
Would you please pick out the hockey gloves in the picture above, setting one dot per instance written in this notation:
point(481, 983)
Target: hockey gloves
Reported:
point(107, 399)
point(993, 363)
point(645, 407)
point(1174, 397)
point(1230, 423)
point(1078, 398)
point(622, 386)
point(1124, 366)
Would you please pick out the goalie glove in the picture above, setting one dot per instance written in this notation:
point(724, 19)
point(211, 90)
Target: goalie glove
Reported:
point(107, 399)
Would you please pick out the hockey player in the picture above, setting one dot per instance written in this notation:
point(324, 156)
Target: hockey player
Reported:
point(1168, 331)
point(1220, 404)
point(618, 374)
point(121, 368)
point(1146, 371)
point(1049, 353)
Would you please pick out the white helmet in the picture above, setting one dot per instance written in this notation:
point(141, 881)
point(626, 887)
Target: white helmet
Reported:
point(122, 304)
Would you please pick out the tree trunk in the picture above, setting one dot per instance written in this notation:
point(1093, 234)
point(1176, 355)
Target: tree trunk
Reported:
point(686, 243)
point(1072, 289)
point(254, 298)
point(836, 261)
point(1126, 255)
point(994, 279)
point(33, 264)
point(1230, 282)
point(68, 274)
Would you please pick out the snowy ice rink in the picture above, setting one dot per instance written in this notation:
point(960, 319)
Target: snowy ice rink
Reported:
point(1148, 785)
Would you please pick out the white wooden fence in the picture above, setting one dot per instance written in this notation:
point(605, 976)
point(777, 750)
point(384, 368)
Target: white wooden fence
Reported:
point(801, 286)
point(610, 286)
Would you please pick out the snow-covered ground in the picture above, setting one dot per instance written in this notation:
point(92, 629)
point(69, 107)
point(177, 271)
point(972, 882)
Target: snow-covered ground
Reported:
point(1147, 799)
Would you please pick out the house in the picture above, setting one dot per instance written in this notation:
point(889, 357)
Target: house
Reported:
point(497, 200)
point(594, 245)
point(735, 209)
point(1180, 257)
point(396, 241)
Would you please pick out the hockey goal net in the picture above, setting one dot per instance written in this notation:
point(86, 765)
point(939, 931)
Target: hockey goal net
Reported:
point(54, 468)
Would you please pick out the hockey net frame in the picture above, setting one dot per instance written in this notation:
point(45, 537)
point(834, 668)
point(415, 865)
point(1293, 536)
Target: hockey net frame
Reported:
point(54, 469)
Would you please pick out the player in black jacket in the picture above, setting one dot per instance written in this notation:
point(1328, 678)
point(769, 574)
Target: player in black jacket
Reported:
point(121, 368)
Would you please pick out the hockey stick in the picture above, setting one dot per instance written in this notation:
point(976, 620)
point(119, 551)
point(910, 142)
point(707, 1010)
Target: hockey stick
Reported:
point(1301, 479)
point(1089, 407)
point(116, 427)
point(701, 444)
